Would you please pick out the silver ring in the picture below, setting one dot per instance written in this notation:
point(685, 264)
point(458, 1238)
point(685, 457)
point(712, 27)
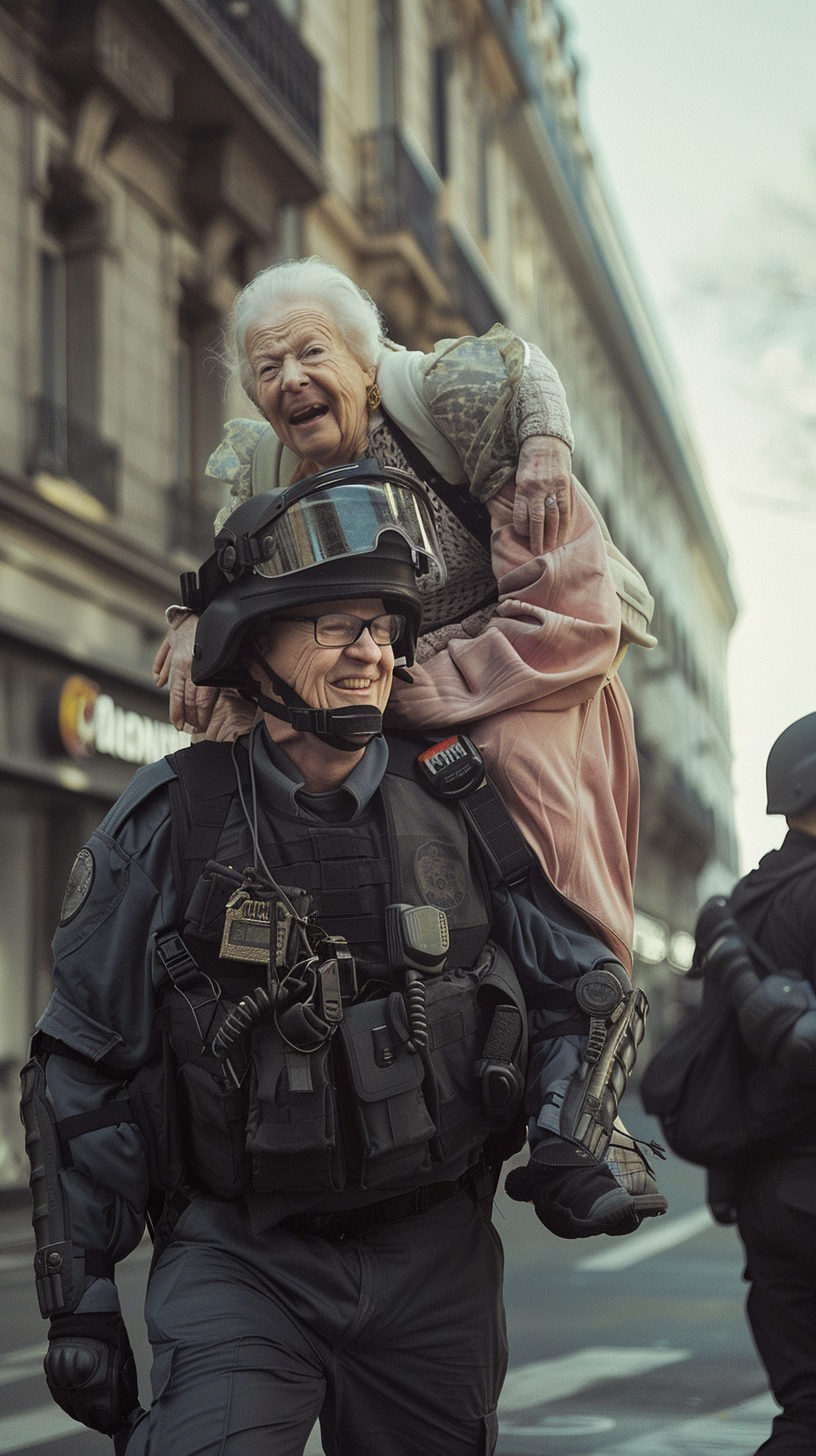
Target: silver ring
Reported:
point(551, 500)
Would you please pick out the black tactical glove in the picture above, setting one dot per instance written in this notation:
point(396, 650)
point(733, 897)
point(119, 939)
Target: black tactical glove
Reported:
point(90, 1369)
point(574, 1203)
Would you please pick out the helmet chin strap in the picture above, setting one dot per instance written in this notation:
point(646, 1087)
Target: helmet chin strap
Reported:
point(348, 729)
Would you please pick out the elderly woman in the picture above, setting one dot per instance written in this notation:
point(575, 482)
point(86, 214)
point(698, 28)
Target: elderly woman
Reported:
point(523, 641)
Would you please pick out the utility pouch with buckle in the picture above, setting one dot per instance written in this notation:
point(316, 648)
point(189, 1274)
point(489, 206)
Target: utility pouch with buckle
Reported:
point(211, 1097)
point(291, 1129)
point(393, 1122)
point(463, 1054)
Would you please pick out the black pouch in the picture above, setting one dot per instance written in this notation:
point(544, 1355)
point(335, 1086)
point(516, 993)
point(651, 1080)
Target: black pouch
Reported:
point(291, 1124)
point(393, 1122)
point(213, 1119)
point(715, 1103)
point(212, 1111)
point(457, 1031)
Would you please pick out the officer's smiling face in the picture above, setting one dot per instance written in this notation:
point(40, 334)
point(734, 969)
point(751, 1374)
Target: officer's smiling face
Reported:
point(330, 677)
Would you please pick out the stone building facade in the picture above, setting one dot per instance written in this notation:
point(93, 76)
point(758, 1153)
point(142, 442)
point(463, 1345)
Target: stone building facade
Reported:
point(153, 157)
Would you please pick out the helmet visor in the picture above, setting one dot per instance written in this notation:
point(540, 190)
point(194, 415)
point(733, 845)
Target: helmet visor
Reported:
point(348, 520)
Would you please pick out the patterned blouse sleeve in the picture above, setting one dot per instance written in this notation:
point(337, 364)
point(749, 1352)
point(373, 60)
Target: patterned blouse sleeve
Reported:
point(487, 396)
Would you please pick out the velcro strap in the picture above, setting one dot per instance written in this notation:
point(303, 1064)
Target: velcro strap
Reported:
point(108, 1115)
point(497, 831)
point(504, 1036)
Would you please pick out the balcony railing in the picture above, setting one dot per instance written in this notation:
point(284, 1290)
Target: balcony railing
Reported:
point(66, 447)
point(264, 37)
point(395, 194)
point(472, 297)
point(192, 506)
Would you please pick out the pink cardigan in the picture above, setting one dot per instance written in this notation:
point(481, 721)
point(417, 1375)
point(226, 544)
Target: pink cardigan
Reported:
point(538, 691)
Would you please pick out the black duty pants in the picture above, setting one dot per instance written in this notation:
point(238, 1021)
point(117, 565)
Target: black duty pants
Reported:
point(396, 1340)
point(777, 1223)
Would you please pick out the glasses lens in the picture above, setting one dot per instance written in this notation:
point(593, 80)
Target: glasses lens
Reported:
point(340, 629)
point(386, 629)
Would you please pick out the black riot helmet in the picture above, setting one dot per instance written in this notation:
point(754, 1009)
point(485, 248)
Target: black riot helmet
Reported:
point(351, 531)
point(790, 773)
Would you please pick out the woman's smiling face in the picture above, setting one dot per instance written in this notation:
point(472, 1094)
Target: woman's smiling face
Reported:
point(309, 385)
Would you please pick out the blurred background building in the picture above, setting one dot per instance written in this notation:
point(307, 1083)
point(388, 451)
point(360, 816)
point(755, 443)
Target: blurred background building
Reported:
point(153, 157)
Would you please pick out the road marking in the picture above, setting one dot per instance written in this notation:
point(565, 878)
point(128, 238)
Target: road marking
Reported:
point(546, 1380)
point(22, 1364)
point(314, 1445)
point(648, 1241)
point(33, 1428)
point(543, 1381)
point(738, 1429)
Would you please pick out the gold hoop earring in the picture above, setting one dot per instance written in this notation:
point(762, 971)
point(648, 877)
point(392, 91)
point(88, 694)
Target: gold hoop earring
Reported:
point(373, 397)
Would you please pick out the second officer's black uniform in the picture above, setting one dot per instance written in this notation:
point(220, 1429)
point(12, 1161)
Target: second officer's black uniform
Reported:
point(773, 1188)
point(776, 1202)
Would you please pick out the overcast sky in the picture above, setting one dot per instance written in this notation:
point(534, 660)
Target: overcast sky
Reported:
point(699, 112)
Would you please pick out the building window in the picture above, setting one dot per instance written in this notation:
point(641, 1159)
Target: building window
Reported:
point(66, 443)
point(388, 62)
point(53, 333)
point(289, 241)
point(193, 500)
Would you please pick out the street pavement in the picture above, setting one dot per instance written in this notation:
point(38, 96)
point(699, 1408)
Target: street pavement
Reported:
point(618, 1347)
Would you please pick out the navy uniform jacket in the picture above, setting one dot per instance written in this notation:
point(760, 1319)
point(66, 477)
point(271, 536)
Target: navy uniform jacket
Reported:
point(122, 893)
point(783, 922)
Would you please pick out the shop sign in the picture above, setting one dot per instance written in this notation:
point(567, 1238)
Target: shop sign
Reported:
point(92, 722)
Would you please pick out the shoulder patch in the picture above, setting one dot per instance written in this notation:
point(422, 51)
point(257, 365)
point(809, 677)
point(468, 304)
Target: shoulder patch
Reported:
point(79, 885)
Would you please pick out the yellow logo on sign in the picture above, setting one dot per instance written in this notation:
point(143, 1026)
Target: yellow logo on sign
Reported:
point(76, 715)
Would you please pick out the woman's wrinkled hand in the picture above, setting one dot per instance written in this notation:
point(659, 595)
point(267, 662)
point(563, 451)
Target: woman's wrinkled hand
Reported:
point(543, 497)
point(231, 717)
point(191, 707)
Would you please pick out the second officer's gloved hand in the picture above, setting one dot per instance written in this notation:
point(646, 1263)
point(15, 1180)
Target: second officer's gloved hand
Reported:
point(90, 1369)
point(574, 1203)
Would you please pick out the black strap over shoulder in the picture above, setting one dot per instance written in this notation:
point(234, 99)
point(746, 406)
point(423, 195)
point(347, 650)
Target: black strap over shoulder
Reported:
point(498, 833)
point(200, 799)
point(486, 814)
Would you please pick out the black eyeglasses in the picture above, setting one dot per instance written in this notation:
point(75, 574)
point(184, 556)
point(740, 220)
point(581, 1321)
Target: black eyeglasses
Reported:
point(340, 629)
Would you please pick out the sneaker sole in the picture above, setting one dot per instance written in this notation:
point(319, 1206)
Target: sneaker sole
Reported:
point(649, 1205)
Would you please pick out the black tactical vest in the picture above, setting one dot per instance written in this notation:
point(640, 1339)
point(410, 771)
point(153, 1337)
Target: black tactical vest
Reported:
point(363, 1110)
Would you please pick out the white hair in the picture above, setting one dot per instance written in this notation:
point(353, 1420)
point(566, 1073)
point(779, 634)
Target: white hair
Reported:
point(304, 280)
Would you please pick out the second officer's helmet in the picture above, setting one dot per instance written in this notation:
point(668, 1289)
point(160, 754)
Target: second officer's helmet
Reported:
point(355, 530)
point(790, 773)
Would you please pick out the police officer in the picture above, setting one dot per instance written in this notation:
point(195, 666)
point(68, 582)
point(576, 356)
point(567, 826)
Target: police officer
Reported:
point(293, 983)
point(771, 979)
